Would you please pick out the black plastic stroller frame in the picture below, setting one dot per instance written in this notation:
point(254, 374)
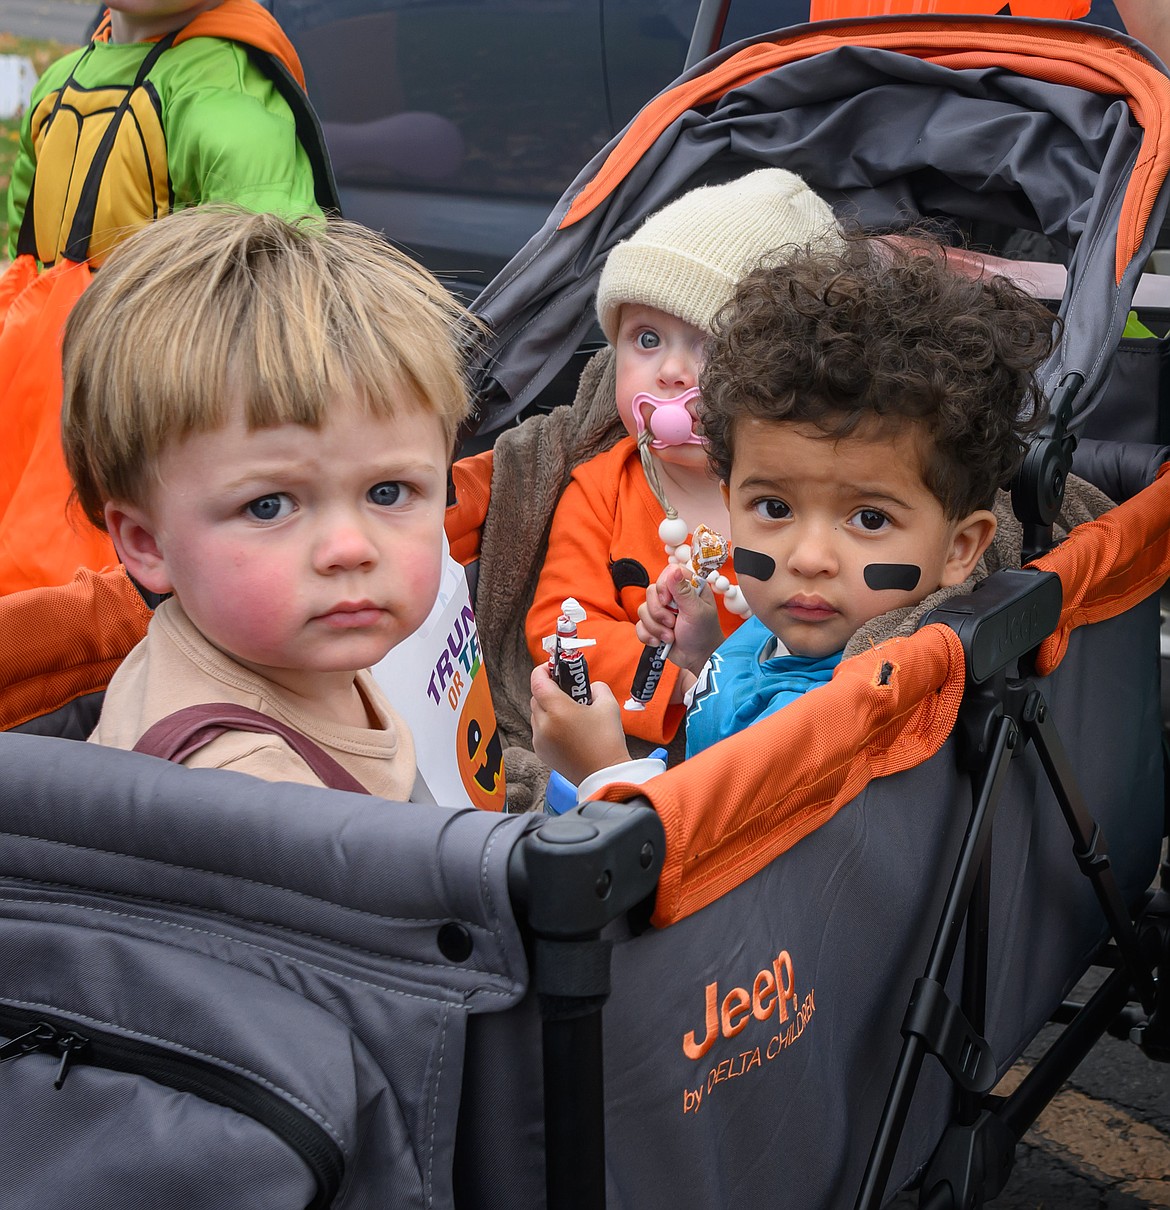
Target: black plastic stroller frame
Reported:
point(591, 866)
point(571, 877)
point(1001, 714)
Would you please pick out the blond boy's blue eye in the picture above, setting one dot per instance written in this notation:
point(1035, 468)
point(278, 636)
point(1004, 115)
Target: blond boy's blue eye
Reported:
point(269, 508)
point(647, 340)
point(385, 494)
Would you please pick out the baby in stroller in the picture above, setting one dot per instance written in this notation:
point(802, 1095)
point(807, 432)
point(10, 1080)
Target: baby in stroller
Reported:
point(656, 299)
point(861, 409)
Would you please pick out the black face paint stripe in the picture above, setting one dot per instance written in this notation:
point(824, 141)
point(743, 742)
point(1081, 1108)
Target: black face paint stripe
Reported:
point(752, 563)
point(900, 576)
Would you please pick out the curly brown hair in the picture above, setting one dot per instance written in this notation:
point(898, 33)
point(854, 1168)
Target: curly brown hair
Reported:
point(884, 331)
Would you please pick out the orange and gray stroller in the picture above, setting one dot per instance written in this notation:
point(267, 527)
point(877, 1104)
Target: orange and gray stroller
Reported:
point(789, 970)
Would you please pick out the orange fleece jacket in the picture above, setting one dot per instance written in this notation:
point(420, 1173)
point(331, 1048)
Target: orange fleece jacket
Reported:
point(604, 549)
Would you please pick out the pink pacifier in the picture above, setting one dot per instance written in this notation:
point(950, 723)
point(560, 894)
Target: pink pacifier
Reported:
point(670, 422)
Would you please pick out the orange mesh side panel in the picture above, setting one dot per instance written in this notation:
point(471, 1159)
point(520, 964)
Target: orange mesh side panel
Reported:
point(464, 519)
point(732, 809)
point(830, 10)
point(1110, 564)
point(1061, 55)
point(62, 643)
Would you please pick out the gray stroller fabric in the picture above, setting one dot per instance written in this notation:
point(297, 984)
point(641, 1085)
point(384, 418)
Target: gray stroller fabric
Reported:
point(1135, 402)
point(360, 961)
point(217, 941)
point(888, 139)
point(749, 1047)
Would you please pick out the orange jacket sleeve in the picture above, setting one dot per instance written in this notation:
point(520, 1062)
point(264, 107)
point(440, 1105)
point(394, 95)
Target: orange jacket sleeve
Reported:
point(601, 518)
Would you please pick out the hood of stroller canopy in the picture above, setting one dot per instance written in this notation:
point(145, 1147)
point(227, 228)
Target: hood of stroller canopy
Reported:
point(1053, 127)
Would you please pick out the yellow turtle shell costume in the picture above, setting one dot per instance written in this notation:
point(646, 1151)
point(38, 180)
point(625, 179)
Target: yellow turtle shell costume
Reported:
point(118, 135)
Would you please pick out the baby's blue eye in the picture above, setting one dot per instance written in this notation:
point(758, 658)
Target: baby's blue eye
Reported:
point(385, 494)
point(269, 508)
point(647, 340)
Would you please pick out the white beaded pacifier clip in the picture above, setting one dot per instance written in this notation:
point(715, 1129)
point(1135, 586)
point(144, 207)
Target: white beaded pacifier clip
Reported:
point(676, 540)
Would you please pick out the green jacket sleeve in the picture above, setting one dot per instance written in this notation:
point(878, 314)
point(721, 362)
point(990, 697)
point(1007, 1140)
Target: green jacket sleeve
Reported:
point(231, 136)
point(18, 187)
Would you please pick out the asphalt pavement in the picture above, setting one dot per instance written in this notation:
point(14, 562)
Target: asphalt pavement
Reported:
point(62, 20)
point(1102, 1143)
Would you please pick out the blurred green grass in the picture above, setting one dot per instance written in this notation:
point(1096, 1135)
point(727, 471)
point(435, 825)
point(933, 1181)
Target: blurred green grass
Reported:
point(42, 52)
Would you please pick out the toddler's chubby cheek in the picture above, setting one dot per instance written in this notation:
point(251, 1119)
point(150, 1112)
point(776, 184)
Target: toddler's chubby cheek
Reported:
point(253, 606)
point(419, 580)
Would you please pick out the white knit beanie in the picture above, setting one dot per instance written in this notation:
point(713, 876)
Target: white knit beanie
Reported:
point(686, 258)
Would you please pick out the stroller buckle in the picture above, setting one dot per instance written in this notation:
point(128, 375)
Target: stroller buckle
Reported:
point(935, 1018)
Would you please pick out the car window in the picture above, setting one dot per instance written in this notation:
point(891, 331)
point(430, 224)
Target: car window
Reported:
point(498, 98)
point(646, 45)
point(455, 125)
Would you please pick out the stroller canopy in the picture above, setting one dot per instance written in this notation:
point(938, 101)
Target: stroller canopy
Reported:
point(1048, 127)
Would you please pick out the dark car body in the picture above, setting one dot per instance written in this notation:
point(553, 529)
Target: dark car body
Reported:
point(455, 125)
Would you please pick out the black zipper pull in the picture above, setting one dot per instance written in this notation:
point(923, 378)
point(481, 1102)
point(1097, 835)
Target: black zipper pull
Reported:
point(38, 1038)
point(71, 1045)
